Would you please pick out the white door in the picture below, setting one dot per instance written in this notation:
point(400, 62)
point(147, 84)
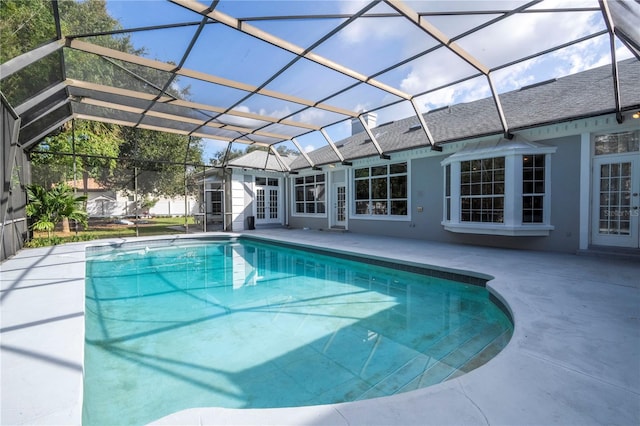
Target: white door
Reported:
point(616, 203)
point(267, 202)
point(340, 206)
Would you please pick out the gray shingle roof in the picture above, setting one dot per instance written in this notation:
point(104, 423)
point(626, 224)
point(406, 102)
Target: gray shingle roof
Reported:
point(262, 160)
point(584, 94)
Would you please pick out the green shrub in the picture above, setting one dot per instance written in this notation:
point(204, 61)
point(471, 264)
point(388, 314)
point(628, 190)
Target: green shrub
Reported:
point(52, 241)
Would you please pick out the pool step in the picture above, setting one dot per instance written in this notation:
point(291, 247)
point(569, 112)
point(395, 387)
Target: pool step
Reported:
point(446, 359)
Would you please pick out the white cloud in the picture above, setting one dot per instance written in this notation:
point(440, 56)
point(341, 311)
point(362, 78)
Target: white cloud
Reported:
point(583, 56)
point(434, 70)
point(309, 148)
point(371, 29)
point(508, 40)
point(311, 115)
point(251, 123)
point(515, 76)
point(623, 52)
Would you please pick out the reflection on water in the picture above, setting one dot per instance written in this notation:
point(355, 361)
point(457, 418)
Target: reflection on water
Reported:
point(247, 325)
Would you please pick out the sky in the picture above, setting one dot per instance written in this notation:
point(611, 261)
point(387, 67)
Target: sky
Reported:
point(367, 46)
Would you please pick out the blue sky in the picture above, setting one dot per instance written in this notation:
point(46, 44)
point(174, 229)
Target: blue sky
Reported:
point(367, 46)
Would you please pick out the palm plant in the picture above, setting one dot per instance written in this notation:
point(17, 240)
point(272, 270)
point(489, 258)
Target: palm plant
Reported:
point(48, 207)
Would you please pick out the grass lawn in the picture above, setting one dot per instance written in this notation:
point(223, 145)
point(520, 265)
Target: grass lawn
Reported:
point(107, 228)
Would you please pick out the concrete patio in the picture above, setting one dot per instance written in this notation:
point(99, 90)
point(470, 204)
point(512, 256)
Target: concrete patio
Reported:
point(574, 358)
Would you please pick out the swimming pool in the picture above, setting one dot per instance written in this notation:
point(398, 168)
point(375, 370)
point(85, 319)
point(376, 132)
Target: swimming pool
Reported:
point(244, 324)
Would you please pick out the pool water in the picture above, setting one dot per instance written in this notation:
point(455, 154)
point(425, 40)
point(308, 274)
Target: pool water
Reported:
point(243, 324)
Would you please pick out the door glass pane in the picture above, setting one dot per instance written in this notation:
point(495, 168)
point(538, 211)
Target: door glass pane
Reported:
point(617, 143)
point(341, 204)
point(273, 204)
point(260, 213)
point(615, 195)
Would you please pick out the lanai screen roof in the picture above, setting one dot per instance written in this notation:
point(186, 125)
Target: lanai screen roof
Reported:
point(272, 72)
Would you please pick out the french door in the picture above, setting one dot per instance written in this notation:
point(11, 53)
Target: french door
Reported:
point(267, 202)
point(340, 206)
point(616, 200)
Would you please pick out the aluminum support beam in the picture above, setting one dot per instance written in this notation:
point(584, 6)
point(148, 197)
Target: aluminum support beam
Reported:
point(333, 145)
point(47, 111)
point(169, 68)
point(498, 104)
point(423, 124)
point(304, 154)
point(604, 5)
point(35, 139)
point(434, 32)
point(19, 62)
point(187, 104)
point(246, 28)
point(41, 97)
point(166, 129)
point(279, 158)
point(182, 119)
point(373, 138)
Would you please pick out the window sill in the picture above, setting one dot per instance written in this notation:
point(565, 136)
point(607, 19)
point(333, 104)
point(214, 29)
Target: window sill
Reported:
point(541, 230)
point(318, 215)
point(394, 218)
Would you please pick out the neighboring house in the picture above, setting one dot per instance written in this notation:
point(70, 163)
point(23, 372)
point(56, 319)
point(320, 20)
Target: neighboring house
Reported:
point(103, 202)
point(565, 179)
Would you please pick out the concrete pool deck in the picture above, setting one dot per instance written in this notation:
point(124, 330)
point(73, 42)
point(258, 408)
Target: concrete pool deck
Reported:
point(574, 358)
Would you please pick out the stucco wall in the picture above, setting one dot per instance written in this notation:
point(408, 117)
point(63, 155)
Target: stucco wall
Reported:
point(426, 193)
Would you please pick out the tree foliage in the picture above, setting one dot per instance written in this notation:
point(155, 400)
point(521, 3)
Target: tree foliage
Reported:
point(96, 146)
point(48, 207)
point(156, 157)
point(30, 23)
point(25, 24)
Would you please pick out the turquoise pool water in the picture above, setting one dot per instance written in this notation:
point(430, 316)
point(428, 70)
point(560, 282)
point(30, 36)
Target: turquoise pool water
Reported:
point(244, 324)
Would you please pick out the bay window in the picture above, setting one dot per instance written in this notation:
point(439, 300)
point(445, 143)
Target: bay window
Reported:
point(498, 189)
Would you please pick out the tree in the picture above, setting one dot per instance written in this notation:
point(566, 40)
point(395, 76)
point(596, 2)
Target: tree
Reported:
point(159, 159)
point(47, 207)
point(25, 24)
point(95, 144)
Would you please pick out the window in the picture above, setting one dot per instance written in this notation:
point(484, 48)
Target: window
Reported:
point(381, 190)
point(482, 190)
point(447, 192)
point(617, 143)
point(310, 194)
point(533, 188)
point(498, 189)
point(216, 202)
point(263, 181)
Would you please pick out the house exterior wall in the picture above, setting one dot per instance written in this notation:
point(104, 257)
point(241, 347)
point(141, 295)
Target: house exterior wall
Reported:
point(565, 206)
point(569, 176)
point(241, 196)
point(426, 206)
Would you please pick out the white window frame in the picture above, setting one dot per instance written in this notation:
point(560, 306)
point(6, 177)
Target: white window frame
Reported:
point(388, 216)
point(294, 202)
point(512, 224)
